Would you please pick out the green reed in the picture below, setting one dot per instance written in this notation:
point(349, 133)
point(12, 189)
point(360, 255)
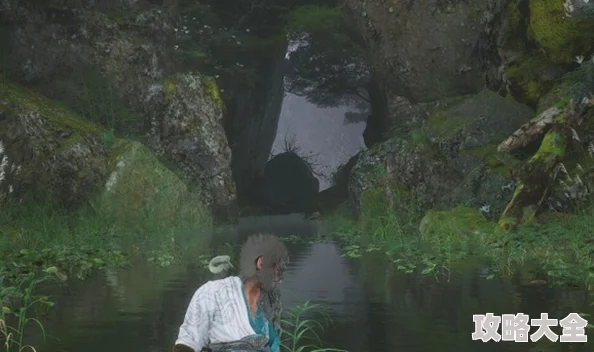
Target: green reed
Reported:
point(17, 301)
point(300, 334)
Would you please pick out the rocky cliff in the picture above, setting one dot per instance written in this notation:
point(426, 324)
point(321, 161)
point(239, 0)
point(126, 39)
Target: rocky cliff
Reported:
point(441, 130)
point(118, 64)
point(49, 153)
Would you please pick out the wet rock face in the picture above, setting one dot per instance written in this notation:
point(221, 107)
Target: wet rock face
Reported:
point(452, 160)
point(423, 50)
point(46, 150)
point(186, 128)
point(287, 186)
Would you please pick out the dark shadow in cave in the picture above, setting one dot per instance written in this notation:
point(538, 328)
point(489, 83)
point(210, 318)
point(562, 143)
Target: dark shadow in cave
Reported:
point(324, 75)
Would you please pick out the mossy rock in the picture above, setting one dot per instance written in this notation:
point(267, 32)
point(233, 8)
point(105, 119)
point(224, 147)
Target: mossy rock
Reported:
point(141, 186)
point(375, 203)
point(562, 37)
point(487, 116)
point(467, 134)
point(531, 77)
point(47, 149)
point(398, 171)
point(456, 222)
point(186, 117)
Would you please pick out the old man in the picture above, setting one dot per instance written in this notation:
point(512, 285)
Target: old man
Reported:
point(239, 312)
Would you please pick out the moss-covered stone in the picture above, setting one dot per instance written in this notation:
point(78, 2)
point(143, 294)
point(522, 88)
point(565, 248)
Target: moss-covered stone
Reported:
point(536, 177)
point(19, 98)
point(458, 221)
point(467, 135)
point(46, 149)
point(561, 36)
point(140, 186)
point(374, 203)
point(491, 158)
point(452, 160)
point(168, 88)
point(186, 116)
point(397, 172)
point(486, 116)
point(531, 77)
point(212, 89)
point(514, 12)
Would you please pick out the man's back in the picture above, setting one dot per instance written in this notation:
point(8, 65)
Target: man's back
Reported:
point(239, 308)
point(217, 314)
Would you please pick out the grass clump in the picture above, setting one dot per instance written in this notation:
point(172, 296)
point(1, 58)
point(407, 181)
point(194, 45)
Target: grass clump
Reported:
point(300, 334)
point(557, 246)
point(17, 301)
point(40, 241)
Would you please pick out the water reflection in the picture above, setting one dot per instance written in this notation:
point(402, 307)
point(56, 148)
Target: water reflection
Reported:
point(322, 133)
point(374, 308)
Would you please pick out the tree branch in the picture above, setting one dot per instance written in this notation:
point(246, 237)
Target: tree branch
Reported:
point(533, 128)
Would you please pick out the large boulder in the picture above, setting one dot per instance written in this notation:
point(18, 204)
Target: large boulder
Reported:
point(423, 50)
point(186, 128)
point(51, 154)
point(46, 150)
point(398, 172)
point(452, 224)
point(452, 160)
point(140, 186)
point(534, 42)
point(113, 62)
point(287, 185)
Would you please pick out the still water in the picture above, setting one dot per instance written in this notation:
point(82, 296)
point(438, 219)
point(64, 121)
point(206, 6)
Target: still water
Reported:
point(374, 308)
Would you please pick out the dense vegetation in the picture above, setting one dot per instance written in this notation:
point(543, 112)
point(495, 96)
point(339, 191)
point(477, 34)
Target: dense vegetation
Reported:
point(41, 243)
point(44, 244)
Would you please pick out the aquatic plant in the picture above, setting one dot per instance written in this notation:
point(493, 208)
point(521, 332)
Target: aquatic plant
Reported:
point(17, 300)
point(298, 332)
point(559, 246)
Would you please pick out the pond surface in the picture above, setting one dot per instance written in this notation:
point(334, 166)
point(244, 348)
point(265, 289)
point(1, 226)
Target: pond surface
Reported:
point(374, 308)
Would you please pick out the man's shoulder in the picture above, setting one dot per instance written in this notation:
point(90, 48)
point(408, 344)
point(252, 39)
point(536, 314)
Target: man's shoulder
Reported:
point(213, 285)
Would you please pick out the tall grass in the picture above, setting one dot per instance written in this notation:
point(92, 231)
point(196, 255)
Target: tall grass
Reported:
point(35, 231)
point(558, 246)
point(39, 241)
point(17, 303)
point(302, 334)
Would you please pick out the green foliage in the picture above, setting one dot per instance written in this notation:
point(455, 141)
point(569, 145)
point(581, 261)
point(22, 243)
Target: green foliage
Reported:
point(36, 235)
point(559, 245)
point(17, 300)
point(299, 334)
point(39, 241)
point(227, 42)
point(326, 67)
point(313, 19)
point(142, 188)
point(98, 101)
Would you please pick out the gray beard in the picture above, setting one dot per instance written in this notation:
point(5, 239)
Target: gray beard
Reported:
point(270, 304)
point(267, 280)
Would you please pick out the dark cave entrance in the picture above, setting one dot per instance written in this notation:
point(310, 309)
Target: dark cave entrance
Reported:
point(295, 135)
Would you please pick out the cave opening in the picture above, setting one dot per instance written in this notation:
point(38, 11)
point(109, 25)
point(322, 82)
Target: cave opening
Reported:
point(313, 112)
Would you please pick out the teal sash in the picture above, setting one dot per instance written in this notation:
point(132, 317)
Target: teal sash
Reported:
point(261, 325)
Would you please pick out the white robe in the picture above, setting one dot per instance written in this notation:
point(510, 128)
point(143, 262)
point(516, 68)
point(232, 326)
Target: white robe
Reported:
point(216, 313)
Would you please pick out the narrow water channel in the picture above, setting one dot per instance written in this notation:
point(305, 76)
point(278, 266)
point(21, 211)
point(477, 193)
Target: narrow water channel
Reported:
point(374, 308)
